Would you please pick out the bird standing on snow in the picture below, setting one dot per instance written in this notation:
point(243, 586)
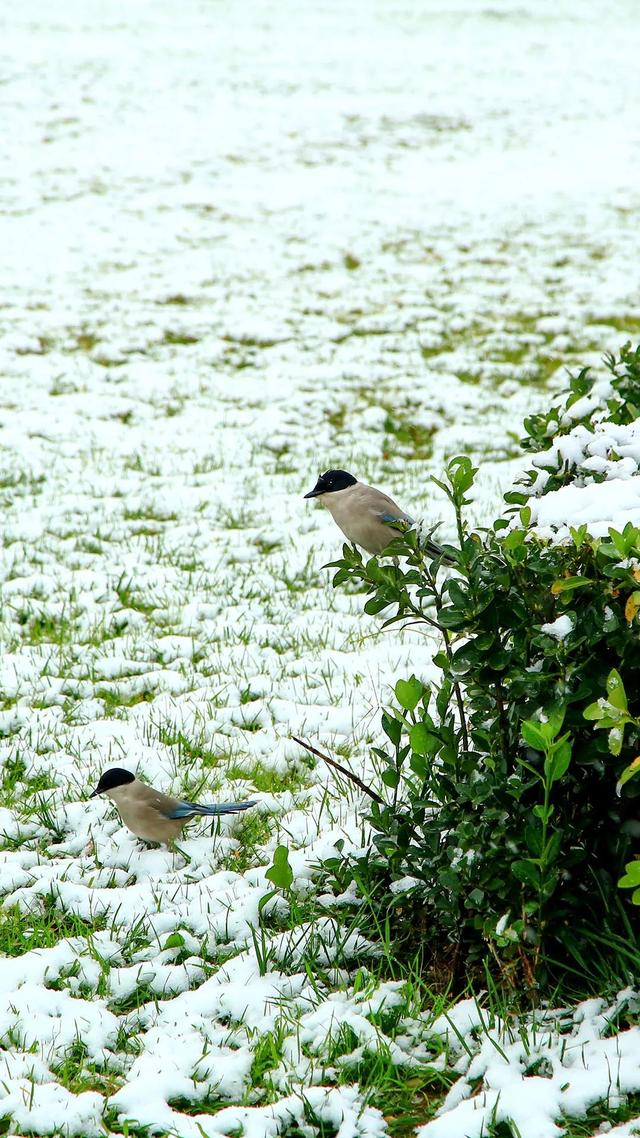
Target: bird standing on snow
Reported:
point(363, 513)
point(150, 814)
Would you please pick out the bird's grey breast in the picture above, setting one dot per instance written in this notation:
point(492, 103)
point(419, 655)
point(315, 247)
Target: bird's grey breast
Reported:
point(361, 511)
point(343, 504)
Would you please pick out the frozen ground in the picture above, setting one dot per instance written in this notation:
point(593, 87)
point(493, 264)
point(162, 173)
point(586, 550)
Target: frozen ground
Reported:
point(242, 243)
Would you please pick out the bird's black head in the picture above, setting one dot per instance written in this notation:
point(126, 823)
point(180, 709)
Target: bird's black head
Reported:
point(109, 780)
point(330, 481)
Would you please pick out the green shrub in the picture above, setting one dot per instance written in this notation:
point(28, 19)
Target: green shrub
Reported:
point(501, 800)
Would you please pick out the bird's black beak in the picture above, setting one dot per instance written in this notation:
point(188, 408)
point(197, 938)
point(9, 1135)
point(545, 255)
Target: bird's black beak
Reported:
point(94, 793)
point(317, 490)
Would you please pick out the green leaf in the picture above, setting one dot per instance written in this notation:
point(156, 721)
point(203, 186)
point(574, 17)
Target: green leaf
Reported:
point(516, 537)
point(442, 485)
point(443, 697)
point(392, 728)
point(264, 900)
point(516, 498)
point(409, 693)
point(390, 777)
point(174, 940)
point(461, 473)
point(419, 765)
point(578, 535)
point(451, 617)
point(527, 871)
point(376, 604)
point(595, 710)
point(552, 848)
point(423, 741)
point(280, 872)
point(533, 735)
point(543, 812)
point(615, 690)
point(533, 838)
point(622, 541)
point(374, 570)
point(339, 577)
point(631, 878)
point(558, 759)
point(457, 593)
point(555, 718)
point(449, 879)
point(629, 772)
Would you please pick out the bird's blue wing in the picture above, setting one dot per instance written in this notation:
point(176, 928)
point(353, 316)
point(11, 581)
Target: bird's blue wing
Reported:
point(387, 517)
point(181, 810)
point(188, 809)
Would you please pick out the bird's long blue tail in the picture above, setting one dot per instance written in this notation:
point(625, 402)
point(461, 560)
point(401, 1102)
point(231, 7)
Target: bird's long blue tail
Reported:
point(437, 551)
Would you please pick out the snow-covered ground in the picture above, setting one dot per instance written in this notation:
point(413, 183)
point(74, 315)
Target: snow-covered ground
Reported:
point(241, 243)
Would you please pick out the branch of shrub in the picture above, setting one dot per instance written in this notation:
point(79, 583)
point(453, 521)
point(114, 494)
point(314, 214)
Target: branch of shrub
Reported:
point(343, 770)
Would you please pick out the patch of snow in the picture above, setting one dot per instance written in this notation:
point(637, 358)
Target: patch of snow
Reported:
point(558, 628)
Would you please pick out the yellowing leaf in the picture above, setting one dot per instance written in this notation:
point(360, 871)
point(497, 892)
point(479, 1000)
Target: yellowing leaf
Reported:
point(567, 583)
point(632, 606)
point(630, 609)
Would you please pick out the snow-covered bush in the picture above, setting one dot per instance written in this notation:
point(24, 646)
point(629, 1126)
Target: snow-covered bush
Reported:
point(502, 813)
point(592, 434)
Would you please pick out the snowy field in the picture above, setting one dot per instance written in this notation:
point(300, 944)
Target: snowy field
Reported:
point(242, 243)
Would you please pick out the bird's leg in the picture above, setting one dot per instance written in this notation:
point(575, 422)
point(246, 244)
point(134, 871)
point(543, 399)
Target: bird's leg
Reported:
point(175, 848)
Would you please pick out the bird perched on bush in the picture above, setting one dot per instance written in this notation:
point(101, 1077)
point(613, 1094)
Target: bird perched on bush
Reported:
point(150, 814)
point(365, 515)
